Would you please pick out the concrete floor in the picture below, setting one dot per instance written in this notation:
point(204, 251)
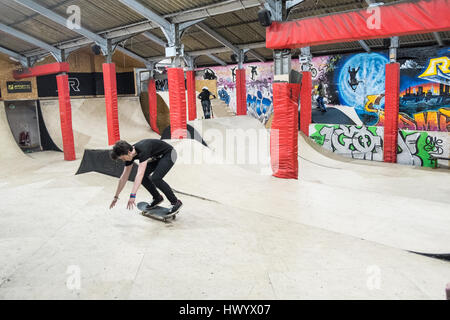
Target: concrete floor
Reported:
point(342, 231)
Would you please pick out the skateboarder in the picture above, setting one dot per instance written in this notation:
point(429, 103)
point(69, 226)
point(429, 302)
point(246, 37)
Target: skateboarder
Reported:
point(206, 103)
point(155, 156)
point(321, 96)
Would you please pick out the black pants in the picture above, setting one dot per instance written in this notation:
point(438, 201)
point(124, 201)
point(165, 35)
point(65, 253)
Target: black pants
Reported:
point(159, 168)
point(206, 104)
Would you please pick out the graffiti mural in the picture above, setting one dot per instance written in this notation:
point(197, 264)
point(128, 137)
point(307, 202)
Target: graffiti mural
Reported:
point(357, 82)
point(360, 142)
point(258, 83)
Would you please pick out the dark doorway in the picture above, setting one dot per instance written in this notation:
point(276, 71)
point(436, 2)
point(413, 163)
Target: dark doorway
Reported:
point(23, 121)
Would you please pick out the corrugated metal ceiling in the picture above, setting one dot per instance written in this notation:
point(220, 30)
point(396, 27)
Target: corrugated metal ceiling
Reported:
point(238, 27)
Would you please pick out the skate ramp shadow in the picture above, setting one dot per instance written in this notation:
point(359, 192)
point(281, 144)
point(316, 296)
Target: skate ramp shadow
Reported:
point(95, 160)
point(192, 134)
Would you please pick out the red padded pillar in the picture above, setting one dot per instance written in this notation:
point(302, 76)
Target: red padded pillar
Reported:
point(112, 117)
point(192, 103)
point(305, 102)
point(152, 105)
point(241, 92)
point(391, 106)
point(284, 131)
point(65, 112)
point(177, 101)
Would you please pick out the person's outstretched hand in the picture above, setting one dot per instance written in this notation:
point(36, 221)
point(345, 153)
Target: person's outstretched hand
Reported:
point(131, 203)
point(113, 203)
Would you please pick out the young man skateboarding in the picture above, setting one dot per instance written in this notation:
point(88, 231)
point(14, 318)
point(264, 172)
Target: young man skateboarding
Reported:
point(155, 156)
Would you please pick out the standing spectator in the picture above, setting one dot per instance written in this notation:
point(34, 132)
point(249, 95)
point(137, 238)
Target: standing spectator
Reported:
point(206, 103)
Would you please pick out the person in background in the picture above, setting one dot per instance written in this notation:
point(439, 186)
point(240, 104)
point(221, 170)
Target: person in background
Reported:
point(206, 102)
point(321, 96)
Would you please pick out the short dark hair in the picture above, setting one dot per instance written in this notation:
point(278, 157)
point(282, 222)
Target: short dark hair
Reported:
point(120, 148)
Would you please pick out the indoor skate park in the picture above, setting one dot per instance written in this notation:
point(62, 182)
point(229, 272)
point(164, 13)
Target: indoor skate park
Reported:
point(321, 172)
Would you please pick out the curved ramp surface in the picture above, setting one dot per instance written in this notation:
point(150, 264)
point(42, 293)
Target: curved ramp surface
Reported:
point(89, 122)
point(383, 203)
point(9, 144)
point(240, 140)
point(12, 158)
point(258, 221)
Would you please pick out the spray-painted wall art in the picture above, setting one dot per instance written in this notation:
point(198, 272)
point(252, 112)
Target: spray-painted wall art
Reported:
point(361, 142)
point(355, 85)
point(258, 82)
point(358, 81)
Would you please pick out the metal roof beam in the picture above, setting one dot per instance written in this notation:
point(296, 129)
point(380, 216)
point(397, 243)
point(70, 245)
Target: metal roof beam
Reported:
point(213, 10)
point(438, 38)
point(364, 45)
point(147, 13)
point(27, 38)
point(216, 59)
point(155, 39)
point(178, 17)
point(171, 31)
point(293, 3)
point(202, 26)
point(134, 55)
point(14, 55)
point(195, 53)
point(257, 55)
point(63, 22)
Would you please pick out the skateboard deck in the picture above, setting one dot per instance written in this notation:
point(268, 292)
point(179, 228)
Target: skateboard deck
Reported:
point(158, 212)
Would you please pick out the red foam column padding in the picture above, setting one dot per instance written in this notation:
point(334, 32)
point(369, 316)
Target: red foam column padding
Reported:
point(284, 131)
point(391, 102)
point(192, 103)
point(153, 105)
point(391, 19)
point(51, 68)
point(177, 101)
point(305, 103)
point(241, 92)
point(112, 117)
point(65, 112)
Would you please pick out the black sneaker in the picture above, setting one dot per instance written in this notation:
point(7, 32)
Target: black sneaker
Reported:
point(175, 208)
point(155, 202)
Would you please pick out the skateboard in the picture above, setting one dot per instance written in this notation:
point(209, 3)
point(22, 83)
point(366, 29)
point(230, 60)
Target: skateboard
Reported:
point(157, 213)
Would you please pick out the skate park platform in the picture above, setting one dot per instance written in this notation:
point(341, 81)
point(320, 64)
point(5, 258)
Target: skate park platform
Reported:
point(242, 234)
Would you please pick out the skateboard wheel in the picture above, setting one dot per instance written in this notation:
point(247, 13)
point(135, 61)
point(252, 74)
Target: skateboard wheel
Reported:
point(174, 217)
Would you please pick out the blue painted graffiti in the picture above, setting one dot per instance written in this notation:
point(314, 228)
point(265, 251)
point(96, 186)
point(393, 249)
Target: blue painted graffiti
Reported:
point(259, 103)
point(224, 96)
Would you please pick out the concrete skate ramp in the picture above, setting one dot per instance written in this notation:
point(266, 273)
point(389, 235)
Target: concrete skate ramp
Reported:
point(245, 135)
point(9, 144)
point(12, 159)
point(89, 122)
point(258, 224)
point(386, 203)
point(162, 110)
point(382, 203)
point(378, 202)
